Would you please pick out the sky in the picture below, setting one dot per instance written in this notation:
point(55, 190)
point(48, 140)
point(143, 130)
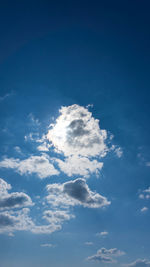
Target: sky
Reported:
point(74, 133)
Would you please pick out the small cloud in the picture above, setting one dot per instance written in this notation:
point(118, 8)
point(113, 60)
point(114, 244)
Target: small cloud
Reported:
point(18, 150)
point(57, 216)
point(89, 106)
point(48, 245)
point(11, 234)
point(119, 152)
point(11, 200)
point(31, 137)
point(147, 164)
point(106, 255)
point(145, 194)
point(111, 137)
point(2, 98)
point(102, 234)
point(33, 120)
point(147, 190)
point(138, 263)
point(141, 196)
point(43, 147)
point(144, 209)
point(88, 243)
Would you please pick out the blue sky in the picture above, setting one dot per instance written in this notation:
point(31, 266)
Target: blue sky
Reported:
point(74, 120)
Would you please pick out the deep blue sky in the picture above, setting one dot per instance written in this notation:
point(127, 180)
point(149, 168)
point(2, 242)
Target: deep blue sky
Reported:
point(60, 53)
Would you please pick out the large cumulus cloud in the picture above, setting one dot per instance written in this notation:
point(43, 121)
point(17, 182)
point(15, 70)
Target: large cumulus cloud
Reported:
point(76, 132)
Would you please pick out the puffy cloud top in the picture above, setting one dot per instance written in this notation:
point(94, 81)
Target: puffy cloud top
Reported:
point(12, 200)
point(76, 132)
point(75, 192)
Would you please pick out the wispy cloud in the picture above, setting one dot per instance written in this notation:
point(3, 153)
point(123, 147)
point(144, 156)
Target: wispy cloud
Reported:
point(33, 120)
point(88, 243)
point(119, 152)
point(48, 245)
point(2, 98)
point(138, 263)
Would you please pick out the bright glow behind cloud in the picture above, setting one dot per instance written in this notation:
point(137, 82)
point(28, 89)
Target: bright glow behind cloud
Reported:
point(76, 132)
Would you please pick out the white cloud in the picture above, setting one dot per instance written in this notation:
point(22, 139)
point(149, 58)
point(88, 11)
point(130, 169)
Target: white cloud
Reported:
point(102, 234)
point(88, 243)
point(139, 263)
point(39, 165)
point(11, 221)
point(31, 137)
point(57, 216)
point(141, 196)
point(4, 187)
point(77, 165)
point(76, 132)
point(6, 96)
point(106, 255)
point(147, 190)
point(74, 193)
point(12, 200)
point(144, 209)
point(47, 245)
point(119, 152)
point(145, 194)
point(18, 150)
point(33, 120)
point(43, 147)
